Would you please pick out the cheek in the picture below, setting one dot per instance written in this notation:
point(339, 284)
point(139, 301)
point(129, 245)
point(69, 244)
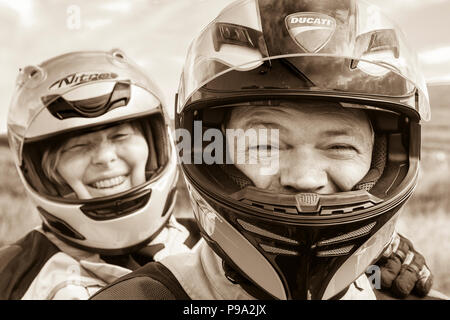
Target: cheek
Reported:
point(253, 172)
point(135, 153)
point(263, 172)
point(346, 174)
point(72, 168)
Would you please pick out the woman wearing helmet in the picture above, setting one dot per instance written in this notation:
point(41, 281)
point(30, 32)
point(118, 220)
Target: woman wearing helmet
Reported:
point(92, 148)
point(306, 211)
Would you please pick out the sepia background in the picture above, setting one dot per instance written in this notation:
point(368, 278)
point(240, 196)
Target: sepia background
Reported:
point(157, 33)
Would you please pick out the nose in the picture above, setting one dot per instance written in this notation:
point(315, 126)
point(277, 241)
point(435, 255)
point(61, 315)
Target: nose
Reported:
point(104, 154)
point(304, 172)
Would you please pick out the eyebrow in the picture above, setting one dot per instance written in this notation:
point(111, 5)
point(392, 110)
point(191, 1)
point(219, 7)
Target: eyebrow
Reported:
point(265, 123)
point(339, 132)
point(276, 125)
point(88, 135)
point(346, 132)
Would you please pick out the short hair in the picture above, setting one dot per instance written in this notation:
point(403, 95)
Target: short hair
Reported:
point(49, 162)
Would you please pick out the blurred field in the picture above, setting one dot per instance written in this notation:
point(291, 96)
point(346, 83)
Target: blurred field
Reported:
point(425, 220)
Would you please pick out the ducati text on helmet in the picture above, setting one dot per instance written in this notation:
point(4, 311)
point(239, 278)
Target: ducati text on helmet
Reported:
point(311, 31)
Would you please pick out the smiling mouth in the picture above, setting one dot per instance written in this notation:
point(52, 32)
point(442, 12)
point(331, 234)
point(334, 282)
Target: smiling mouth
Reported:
point(108, 183)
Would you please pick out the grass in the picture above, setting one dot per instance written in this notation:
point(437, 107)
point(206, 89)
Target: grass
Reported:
point(426, 217)
point(17, 215)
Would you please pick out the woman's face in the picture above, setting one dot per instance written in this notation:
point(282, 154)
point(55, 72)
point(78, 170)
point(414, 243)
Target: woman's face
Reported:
point(104, 162)
point(321, 148)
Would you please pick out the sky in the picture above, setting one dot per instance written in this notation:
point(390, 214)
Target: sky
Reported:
point(157, 33)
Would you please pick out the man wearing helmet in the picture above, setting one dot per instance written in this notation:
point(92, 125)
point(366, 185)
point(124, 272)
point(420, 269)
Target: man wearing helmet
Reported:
point(313, 206)
point(92, 148)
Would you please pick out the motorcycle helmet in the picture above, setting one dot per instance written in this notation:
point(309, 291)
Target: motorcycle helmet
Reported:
point(266, 52)
point(80, 93)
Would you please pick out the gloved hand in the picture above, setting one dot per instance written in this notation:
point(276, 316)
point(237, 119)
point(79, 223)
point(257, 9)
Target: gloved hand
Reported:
point(403, 269)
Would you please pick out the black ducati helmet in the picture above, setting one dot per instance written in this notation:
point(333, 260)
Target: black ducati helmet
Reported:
point(264, 52)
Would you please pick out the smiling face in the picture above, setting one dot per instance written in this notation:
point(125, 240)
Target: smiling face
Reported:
point(321, 148)
point(104, 162)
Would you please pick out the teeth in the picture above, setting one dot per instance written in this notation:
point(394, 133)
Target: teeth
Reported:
point(109, 183)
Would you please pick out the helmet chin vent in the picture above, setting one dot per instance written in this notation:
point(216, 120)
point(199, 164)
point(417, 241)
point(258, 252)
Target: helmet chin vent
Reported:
point(277, 251)
point(335, 252)
point(294, 210)
point(276, 209)
point(348, 236)
point(267, 234)
point(59, 225)
point(306, 203)
point(108, 209)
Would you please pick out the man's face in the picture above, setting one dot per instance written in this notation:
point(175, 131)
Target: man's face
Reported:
point(322, 148)
point(104, 162)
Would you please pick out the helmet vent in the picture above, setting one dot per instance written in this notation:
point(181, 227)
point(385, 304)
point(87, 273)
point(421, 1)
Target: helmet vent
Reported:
point(294, 210)
point(348, 236)
point(111, 209)
point(277, 209)
point(335, 252)
point(276, 250)
point(262, 232)
point(89, 108)
point(350, 209)
point(258, 205)
point(61, 226)
point(118, 54)
point(306, 203)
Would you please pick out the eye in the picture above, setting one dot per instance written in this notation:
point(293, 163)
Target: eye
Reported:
point(120, 136)
point(76, 147)
point(340, 147)
point(264, 147)
point(342, 150)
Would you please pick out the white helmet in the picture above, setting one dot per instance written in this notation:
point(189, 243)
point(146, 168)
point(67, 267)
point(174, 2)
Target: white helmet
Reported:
point(266, 52)
point(82, 92)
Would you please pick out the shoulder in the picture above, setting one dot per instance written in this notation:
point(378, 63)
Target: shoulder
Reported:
point(153, 281)
point(21, 262)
